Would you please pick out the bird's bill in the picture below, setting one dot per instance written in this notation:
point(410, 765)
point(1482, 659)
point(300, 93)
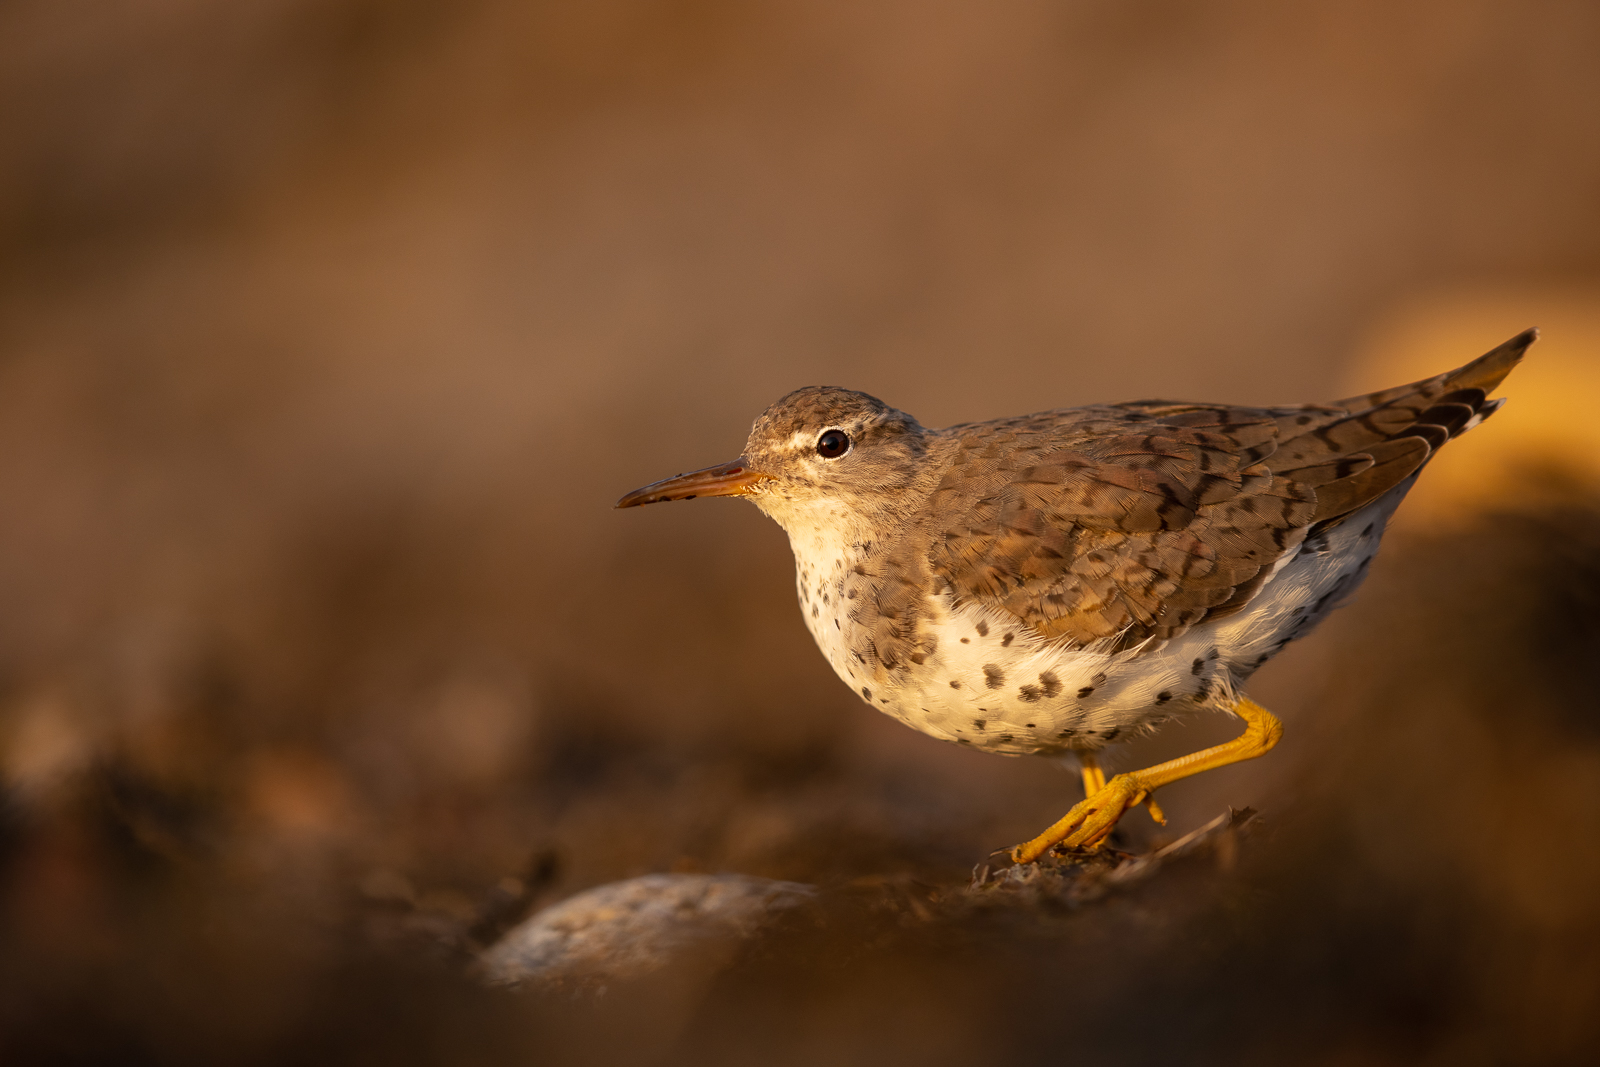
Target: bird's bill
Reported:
point(726, 479)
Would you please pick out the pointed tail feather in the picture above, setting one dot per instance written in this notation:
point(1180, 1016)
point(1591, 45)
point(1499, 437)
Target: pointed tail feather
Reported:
point(1486, 372)
point(1373, 443)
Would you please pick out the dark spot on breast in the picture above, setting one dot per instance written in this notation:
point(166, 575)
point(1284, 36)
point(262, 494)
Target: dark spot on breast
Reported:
point(1052, 684)
point(954, 684)
point(1204, 690)
point(1368, 531)
point(1199, 665)
point(1111, 735)
point(918, 658)
point(966, 640)
point(866, 693)
point(993, 676)
point(1212, 654)
point(1029, 725)
point(815, 611)
point(979, 724)
point(1085, 691)
point(1004, 738)
point(982, 628)
point(1163, 696)
point(1302, 420)
point(1005, 642)
point(1065, 733)
point(1029, 693)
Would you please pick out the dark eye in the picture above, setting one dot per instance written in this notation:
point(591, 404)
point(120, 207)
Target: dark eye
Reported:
point(833, 444)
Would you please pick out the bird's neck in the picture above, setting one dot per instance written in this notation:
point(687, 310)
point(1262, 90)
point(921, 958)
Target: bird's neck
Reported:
point(822, 532)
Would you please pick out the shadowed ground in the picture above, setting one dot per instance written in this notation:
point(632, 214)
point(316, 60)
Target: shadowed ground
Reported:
point(330, 330)
point(1422, 892)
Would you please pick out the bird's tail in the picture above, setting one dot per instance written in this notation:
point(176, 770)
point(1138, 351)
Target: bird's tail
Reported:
point(1353, 451)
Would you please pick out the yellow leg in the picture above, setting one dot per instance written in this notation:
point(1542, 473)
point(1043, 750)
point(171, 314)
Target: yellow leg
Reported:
point(1088, 824)
point(1094, 779)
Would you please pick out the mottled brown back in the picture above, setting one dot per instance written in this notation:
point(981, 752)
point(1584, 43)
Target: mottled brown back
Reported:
point(1136, 521)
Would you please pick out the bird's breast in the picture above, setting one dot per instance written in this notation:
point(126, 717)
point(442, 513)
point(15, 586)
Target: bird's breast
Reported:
point(827, 556)
point(965, 674)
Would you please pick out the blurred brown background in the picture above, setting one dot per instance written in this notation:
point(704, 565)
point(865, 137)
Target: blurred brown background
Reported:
point(331, 329)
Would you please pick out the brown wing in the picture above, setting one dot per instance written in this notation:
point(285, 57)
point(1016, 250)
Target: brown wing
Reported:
point(1139, 520)
point(1127, 522)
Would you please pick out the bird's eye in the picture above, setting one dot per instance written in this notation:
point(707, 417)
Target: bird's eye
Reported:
point(833, 444)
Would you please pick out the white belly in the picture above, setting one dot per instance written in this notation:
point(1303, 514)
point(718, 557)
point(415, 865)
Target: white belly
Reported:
point(993, 684)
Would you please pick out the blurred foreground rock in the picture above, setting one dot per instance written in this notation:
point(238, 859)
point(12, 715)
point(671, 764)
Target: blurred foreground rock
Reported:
point(630, 929)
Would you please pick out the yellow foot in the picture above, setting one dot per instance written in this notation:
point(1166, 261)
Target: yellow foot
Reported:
point(1089, 824)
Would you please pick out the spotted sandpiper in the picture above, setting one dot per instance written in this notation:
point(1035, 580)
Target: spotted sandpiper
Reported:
point(1046, 584)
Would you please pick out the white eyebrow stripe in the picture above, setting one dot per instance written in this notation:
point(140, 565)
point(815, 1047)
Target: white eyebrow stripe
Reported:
point(806, 440)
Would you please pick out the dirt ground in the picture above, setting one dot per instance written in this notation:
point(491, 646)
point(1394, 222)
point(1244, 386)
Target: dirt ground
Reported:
point(331, 329)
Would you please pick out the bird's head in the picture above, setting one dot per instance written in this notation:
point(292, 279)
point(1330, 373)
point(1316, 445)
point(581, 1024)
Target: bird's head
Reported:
point(819, 449)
